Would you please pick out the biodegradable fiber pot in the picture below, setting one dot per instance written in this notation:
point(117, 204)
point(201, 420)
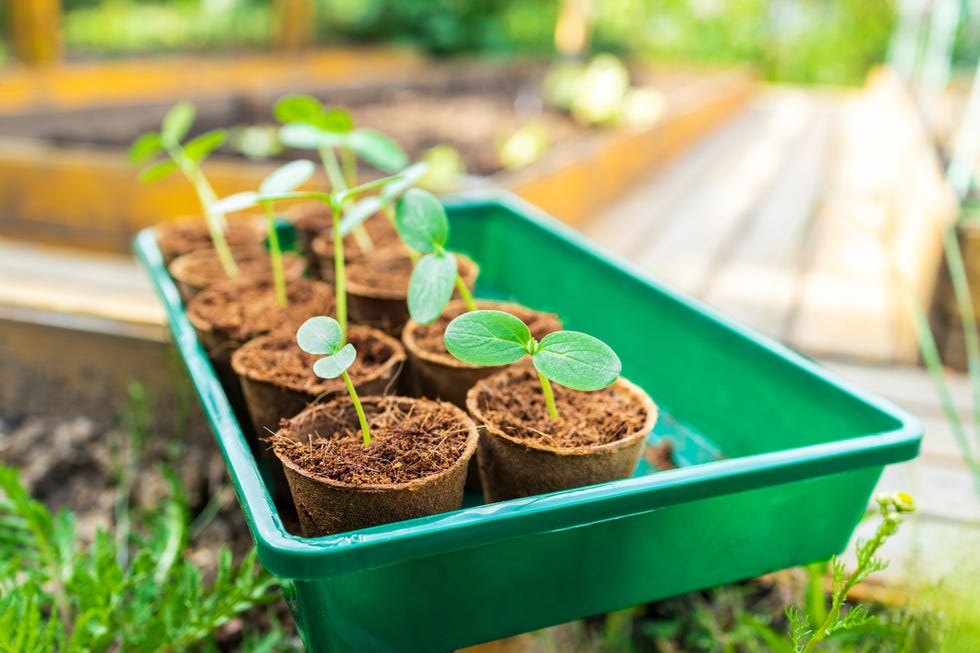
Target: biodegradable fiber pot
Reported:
point(228, 314)
point(384, 240)
point(377, 288)
point(278, 380)
point(191, 234)
point(523, 452)
point(415, 466)
point(199, 269)
point(437, 374)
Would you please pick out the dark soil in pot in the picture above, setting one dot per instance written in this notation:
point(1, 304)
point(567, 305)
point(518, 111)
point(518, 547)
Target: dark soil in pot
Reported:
point(437, 374)
point(228, 314)
point(190, 235)
point(415, 465)
point(524, 452)
point(278, 380)
point(195, 271)
point(314, 232)
point(377, 288)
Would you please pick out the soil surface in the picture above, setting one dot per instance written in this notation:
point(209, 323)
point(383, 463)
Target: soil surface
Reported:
point(242, 309)
point(588, 419)
point(388, 273)
point(202, 268)
point(183, 236)
point(431, 337)
point(277, 359)
point(473, 109)
point(382, 235)
point(409, 440)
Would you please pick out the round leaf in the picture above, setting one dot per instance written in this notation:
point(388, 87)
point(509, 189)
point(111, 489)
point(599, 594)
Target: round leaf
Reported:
point(319, 335)
point(197, 149)
point(177, 122)
point(404, 180)
point(421, 221)
point(308, 137)
point(360, 212)
point(336, 120)
point(577, 360)
point(431, 286)
point(158, 171)
point(144, 148)
point(298, 108)
point(378, 150)
point(333, 366)
point(487, 338)
point(236, 202)
point(286, 178)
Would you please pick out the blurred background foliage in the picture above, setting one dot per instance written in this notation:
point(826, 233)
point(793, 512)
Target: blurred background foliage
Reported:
point(808, 41)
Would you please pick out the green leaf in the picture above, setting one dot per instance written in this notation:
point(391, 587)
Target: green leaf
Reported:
point(431, 286)
point(308, 137)
point(421, 221)
point(335, 120)
point(378, 150)
point(298, 108)
point(405, 180)
point(236, 202)
point(158, 171)
point(487, 338)
point(320, 335)
point(577, 360)
point(360, 212)
point(197, 149)
point(145, 148)
point(286, 178)
point(177, 122)
point(333, 366)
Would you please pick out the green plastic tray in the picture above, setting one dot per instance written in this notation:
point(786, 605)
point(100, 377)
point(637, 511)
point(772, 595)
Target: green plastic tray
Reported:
point(778, 461)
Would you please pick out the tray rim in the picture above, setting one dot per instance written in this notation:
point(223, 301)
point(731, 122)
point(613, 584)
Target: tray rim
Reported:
point(299, 558)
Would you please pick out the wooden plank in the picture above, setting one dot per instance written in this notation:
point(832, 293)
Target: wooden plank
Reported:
point(690, 245)
point(103, 83)
point(758, 282)
point(640, 213)
point(35, 31)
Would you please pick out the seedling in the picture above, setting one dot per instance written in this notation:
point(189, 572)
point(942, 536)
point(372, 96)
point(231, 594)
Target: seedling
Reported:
point(279, 186)
point(311, 126)
point(569, 358)
point(279, 183)
point(422, 224)
point(187, 158)
point(323, 336)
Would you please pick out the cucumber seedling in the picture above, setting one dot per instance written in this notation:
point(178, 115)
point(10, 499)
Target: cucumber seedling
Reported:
point(309, 125)
point(323, 336)
point(281, 182)
point(421, 222)
point(187, 158)
point(569, 358)
point(280, 185)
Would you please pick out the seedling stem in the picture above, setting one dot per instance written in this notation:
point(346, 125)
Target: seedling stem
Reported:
point(549, 396)
point(365, 431)
point(464, 292)
point(340, 282)
point(275, 253)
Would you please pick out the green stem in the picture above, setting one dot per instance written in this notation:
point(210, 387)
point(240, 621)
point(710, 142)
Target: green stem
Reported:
point(467, 297)
point(360, 409)
point(816, 599)
point(215, 221)
point(275, 253)
point(332, 168)
point(349, 159)
point(549, 396)
point(339, 280)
